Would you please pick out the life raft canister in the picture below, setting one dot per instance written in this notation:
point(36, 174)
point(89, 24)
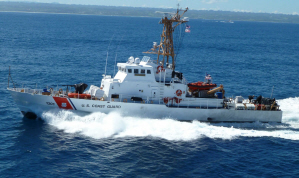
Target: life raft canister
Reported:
point(178, 92)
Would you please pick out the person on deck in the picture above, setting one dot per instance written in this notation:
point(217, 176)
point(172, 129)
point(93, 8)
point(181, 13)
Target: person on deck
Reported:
point(208, 78)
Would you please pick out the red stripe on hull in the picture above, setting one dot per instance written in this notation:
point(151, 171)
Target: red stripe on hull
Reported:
point(63, 103)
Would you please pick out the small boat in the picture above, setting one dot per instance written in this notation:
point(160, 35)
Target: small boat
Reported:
point(206, 85)
point(201, 86)
point(80, 96)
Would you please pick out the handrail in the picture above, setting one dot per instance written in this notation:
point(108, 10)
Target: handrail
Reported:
point(199, 103)
point(146, 100)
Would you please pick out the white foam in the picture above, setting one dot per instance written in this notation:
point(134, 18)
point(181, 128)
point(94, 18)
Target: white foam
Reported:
point(100, 125)
point(290, 108)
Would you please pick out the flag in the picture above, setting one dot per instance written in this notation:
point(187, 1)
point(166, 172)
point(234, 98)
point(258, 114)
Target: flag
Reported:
point(187, 26)
point(187, 30)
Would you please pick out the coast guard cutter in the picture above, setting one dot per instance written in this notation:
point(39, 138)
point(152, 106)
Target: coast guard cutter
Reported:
point(151, 88)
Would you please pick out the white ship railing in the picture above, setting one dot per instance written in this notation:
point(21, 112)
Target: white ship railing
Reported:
point(199, 103)
point(37, 91)
point(185, 102)
point(27, 90)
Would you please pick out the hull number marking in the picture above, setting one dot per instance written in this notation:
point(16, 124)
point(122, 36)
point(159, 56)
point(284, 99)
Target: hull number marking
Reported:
point(50, 103)
point(101, 106)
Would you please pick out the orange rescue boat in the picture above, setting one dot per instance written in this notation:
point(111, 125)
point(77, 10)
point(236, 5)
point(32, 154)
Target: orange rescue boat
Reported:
point(80, 96)
point(201, 86)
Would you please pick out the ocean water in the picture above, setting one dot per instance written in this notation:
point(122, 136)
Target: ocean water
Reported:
point(248, 58)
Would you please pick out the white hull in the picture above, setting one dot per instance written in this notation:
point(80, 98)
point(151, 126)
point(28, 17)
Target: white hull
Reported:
point(36, 103)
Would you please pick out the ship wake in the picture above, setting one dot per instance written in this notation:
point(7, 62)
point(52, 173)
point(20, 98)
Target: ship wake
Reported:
point(113, 125)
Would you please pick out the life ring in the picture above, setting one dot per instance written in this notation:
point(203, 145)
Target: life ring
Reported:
point(51, 89)
point(125, 100)
point(60, 91)
point(178, 92)
point(165, 100)
point(102, 99)
point(160, 69)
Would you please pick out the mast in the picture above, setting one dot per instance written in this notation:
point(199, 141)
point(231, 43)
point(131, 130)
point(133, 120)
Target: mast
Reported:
point(166, 48)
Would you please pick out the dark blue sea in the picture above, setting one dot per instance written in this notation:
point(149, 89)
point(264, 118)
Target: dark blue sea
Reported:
point(248, 58)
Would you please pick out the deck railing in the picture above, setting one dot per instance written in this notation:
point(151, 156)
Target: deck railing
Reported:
point(205, 103)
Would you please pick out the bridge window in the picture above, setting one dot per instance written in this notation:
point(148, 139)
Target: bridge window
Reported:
point(129, 70)
point(135, 71)
point(142, 71)
point(148, 71)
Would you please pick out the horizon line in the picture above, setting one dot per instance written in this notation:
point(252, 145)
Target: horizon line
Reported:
point(240, 11)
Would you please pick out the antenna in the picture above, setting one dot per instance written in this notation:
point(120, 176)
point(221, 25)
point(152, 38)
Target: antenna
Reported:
point(106, 62)
point(107, 54)
point(10, 79)
point(272, 92)
point(116, 54)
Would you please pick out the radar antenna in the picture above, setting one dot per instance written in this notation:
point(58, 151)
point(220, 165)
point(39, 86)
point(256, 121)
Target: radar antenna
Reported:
point(166, 47)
